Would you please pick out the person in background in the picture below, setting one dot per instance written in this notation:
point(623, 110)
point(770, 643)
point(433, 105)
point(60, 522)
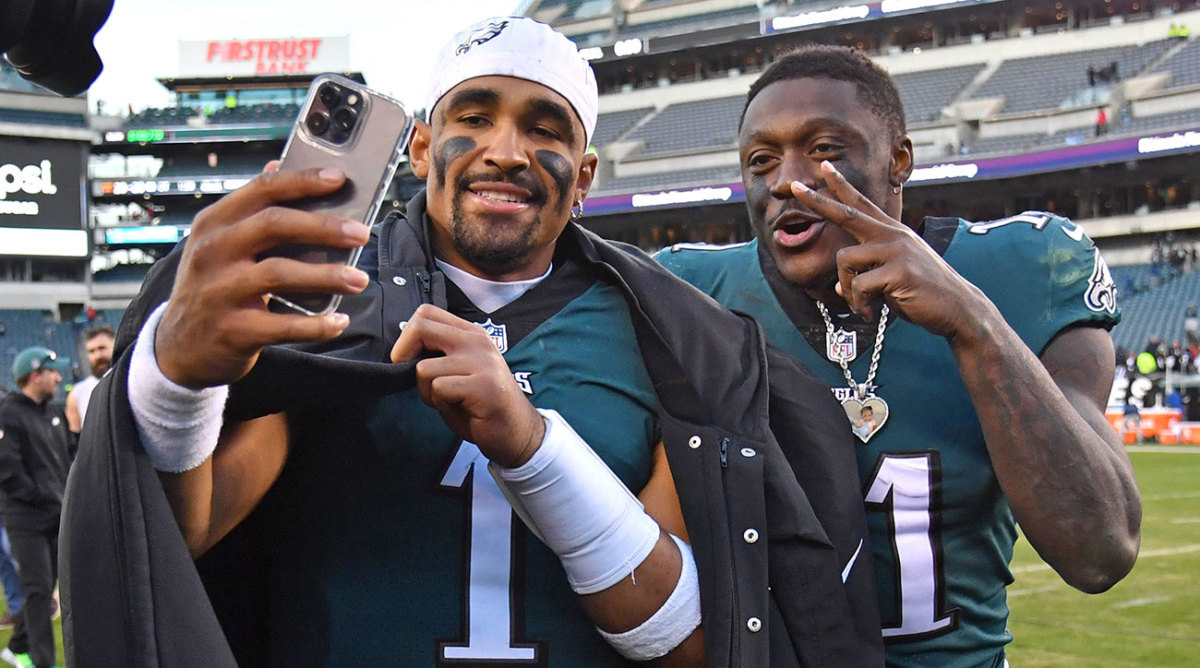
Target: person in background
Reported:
point(36, 451)
point(99, 342)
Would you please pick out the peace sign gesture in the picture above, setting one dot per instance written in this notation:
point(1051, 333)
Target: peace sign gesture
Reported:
point(891, 263)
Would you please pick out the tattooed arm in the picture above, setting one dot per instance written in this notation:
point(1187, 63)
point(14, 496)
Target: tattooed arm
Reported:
point(1059, 462)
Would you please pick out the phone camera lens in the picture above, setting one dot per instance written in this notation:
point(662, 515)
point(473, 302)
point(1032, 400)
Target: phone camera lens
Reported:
point(344, 119)
point(317, 122)
point(330, 95)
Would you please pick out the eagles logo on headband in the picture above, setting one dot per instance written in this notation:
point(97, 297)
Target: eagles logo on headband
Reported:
point(480, 36)
point(517, 46)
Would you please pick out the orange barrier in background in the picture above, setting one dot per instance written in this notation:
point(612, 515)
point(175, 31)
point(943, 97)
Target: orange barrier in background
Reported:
point(1156, 422)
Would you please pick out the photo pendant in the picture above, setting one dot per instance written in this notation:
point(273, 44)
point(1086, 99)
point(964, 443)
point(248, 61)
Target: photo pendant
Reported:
point(867, 415)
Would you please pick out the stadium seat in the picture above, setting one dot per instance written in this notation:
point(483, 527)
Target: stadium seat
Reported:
point(1044, 82)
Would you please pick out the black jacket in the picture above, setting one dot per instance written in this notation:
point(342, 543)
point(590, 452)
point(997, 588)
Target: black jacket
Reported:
point(133, 597)
point(36, 450)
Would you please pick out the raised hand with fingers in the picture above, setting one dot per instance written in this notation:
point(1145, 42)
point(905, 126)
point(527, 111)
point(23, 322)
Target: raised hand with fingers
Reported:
point(217, 320)
point(470, 384)
point(890, 263)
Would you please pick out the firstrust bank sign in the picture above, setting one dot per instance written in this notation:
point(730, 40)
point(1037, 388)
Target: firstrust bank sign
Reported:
point(259, 57)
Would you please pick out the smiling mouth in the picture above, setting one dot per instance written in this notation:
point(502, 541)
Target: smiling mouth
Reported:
point(795, 228)
point(499, 196)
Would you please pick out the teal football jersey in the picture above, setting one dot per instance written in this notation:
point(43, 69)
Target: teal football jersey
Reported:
point(941, 530)
point(401, 549)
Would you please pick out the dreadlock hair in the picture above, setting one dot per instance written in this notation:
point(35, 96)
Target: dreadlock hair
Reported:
point(823, 61)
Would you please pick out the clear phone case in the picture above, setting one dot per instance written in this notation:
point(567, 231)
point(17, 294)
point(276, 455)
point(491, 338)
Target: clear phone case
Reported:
point(346, 125)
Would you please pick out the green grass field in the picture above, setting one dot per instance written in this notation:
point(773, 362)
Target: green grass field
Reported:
point(58, 647)
point(1152, 617)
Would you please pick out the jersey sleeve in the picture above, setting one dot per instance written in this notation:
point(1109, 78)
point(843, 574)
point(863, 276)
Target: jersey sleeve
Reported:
point(1041, 270)
point(712, 269)
point(679, 261)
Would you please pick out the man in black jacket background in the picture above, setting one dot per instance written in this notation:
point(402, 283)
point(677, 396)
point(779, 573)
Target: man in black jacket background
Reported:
point(36, 451)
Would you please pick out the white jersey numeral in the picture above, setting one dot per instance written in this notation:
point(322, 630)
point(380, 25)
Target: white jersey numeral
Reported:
point(908, 488)
point(489, 629)
point(1037, 219)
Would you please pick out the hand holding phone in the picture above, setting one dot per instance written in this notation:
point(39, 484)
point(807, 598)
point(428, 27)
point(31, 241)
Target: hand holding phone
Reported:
point(217, 320)
point(342, 124)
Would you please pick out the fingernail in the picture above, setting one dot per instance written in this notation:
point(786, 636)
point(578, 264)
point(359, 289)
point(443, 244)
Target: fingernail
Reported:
point(356, 230)
point(331, 175)
point(801, 187)
point(829, 165)
point(354, 278)
point(341, 320)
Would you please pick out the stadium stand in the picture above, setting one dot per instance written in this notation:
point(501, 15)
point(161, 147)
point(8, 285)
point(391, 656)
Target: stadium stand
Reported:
point(583, 9)
point(1180, 120)
point(702, 125)
point(1187, 119)
point(1009, 144)
point(122, 272)
point(685, 178)
point(610, 126)
point(1155, 311)
point(230, 164)
point(925, 93)
point(158, 118)
point(1184, 66)
point(688, 24)
point(37, 117)
point(255, 113)
point(1044, 82)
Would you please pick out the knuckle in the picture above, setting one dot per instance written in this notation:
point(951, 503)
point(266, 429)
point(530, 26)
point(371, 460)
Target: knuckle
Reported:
point(226, 331)
point(423, 311)
point(272, 218)
point(271, 272)
point(267, 180)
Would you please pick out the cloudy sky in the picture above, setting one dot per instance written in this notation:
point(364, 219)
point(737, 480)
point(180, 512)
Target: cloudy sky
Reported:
point(392, 44)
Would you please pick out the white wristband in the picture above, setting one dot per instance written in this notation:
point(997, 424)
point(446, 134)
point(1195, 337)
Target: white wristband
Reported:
point(579, 508)
point(179, 426)
point(671, 624)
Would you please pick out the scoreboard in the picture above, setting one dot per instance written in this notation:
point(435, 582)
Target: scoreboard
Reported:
point(42, 197)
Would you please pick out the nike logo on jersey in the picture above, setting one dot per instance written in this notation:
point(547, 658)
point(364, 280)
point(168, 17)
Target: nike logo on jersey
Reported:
point(850, 564)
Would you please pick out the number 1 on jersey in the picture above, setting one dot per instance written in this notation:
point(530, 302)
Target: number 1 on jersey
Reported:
point(905, 486)
point(489, 615)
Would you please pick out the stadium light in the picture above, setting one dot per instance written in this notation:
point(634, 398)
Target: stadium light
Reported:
point(890, 6)
point(628, 47)
point(847, 13)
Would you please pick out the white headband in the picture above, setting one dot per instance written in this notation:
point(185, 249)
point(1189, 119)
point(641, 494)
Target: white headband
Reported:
point(516, 46)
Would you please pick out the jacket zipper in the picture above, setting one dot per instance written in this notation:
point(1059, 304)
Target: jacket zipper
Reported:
point(426, 291)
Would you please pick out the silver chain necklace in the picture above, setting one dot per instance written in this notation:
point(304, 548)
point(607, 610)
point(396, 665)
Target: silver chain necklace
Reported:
point(866, 411)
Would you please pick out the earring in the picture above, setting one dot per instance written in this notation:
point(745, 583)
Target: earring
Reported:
point(896, 190)
point(577, 210)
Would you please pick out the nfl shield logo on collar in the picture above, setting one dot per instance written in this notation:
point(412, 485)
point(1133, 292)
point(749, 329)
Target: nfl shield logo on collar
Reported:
point(498, 333)
point(841, 345)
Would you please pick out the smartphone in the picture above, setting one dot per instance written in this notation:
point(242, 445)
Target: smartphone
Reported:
point(346, 125)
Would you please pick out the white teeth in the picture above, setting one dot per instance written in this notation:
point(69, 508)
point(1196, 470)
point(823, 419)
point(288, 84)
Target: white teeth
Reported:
point(499, 197)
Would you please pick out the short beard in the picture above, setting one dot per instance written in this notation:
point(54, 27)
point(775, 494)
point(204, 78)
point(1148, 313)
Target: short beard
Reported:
point(493, 254)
